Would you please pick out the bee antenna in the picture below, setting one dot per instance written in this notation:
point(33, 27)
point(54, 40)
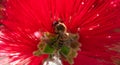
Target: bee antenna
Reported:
point(55, 23)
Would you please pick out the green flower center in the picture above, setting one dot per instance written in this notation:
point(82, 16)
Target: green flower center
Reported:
point(62, 44)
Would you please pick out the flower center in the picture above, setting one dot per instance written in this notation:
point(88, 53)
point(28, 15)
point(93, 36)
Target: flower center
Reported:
point(62, 45)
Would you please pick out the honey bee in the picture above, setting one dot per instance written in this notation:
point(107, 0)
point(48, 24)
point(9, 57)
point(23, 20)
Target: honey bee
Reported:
point(64, 37)
point(68, 40)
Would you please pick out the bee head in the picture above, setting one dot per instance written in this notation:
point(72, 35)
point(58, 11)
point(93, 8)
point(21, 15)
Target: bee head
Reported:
point(60, 27)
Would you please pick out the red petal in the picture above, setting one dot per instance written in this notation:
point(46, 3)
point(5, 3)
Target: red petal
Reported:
point(97, 22)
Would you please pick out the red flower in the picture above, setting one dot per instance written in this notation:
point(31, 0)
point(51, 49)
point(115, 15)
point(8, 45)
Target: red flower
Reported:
point(96, 21)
